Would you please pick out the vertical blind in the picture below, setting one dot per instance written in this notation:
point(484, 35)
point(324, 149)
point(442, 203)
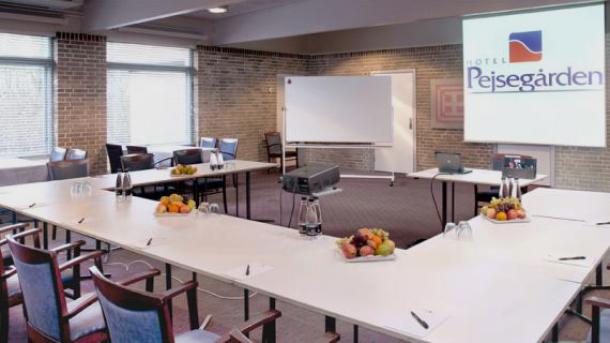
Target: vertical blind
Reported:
point(26, 95)
point(150, 94)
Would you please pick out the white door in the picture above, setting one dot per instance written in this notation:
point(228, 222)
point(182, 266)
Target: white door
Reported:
point(400, 157)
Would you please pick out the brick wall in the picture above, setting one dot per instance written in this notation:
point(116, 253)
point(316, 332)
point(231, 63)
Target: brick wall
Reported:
point(237, 94)
point(81, 95)
point(429, 63)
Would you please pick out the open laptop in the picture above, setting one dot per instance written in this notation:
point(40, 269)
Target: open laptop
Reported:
point(450, 163)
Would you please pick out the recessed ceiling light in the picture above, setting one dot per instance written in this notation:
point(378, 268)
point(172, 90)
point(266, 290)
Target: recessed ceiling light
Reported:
point(218, 10)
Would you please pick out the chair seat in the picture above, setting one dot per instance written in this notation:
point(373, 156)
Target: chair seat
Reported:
point(197, 336)
point(89, 321)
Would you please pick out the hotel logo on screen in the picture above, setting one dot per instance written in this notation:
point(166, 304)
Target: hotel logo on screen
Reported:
point(525, 46)
point(524, 70)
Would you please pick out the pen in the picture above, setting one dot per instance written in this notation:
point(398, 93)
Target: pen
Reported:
point(420, 321)
point(149, 241)
point(81, 220)
point(572, 258)
point(602, 223)
point(248, 270)
point(32, 205)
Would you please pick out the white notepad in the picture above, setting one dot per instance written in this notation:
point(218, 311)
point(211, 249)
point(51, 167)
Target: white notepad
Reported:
point(239, 273)
point(408, 325)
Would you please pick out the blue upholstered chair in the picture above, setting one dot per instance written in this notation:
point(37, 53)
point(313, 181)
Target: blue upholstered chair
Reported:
point(57, 154)
point(133, 315)
point(76, 155)
point(62, 170)
point(228, 148)
point(207, 142)
point(50, 316)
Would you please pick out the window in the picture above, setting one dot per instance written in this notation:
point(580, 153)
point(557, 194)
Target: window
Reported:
point(150, 94)
point(26, 95)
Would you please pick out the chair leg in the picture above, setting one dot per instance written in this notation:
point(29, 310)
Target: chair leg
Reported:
point(54, 233)
point(4, 311)
point(476, 207)
point(224, 193)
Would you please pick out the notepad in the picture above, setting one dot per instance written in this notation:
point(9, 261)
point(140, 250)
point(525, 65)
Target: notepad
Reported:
point(408, 325)
point(555, 258)
point(239, 273)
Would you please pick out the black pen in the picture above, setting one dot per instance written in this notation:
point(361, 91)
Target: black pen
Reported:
point(420, 321)
point(32, 205)
point(149, 241)
point(248, 270)
point(81, 220)
point(602, 223)
point(572, 258)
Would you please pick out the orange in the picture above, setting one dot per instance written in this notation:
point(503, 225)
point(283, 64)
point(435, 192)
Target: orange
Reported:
point(501, 216)
point(173, 208)
point(376, 239)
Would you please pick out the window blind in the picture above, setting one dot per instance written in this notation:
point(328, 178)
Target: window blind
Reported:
point(149, 90)
point(26, 95)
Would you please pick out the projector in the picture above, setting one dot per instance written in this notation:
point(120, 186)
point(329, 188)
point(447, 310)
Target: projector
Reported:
point(311, 179)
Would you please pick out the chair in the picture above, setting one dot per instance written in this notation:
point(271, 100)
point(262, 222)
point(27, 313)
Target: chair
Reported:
point(138, 161)
point(497, 163)
point(273, 143)
point(135, 149)
point(49, 315)
point(207, 142)
point(228, 148)
point(115, 152)
point(57, 154)
point(188, 156)
point(62, 170)
point(133, 315)
point(76, 155)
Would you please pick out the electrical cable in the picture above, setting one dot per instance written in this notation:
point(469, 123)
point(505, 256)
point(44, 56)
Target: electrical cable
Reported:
point(203, 290)
point(438, 212)
point(294, 195)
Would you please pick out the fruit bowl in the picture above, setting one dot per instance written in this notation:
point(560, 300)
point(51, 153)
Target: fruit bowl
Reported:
point(174, 205)
point(182, 170)
point(367, 245)
point(505, 210)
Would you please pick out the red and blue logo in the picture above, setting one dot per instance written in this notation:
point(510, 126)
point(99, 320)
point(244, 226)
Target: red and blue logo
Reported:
point(525, 46)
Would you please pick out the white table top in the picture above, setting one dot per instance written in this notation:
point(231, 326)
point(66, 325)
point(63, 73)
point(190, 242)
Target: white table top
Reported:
point(591, 207)
point(477, 177)
point(21, 170)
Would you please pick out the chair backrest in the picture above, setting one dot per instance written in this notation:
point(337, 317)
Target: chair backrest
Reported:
point(274, 143)
point(228, 148)
point(136, 149)
point(76, 154)
point(132, 315)
point(62, 170)
point(115, 152)
point(133, 162)
point(207, 142)
point(188, 156)
point(57, 154)
point(41, 288)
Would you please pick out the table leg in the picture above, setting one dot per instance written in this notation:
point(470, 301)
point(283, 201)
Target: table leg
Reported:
point(246, 305)
point(330, 324)
point(453, 202)
point(248, 210)
point(269, 328)
point(193, 305)
point(196, 192)
point(355, 333)
point(555, 333)
point(14, 217)
point(444, 206)
point(168, 285)
point(45, 236)
point(236, 184)
point(599, 275)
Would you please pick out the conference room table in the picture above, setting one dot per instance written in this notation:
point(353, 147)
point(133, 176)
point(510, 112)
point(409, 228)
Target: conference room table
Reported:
point(475, 177)
point(22, 170)
point(502, 284)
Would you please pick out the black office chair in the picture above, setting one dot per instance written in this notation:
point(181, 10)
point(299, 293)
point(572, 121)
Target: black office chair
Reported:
point(135, 149)
point(115, 152)
point(76, 155)
point(139, 161)
point(273, 143)
point(188, 156)
point(62, 170)
point(57, 154)
point(207, 142)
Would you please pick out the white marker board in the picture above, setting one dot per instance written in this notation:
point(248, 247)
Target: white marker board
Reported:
point(339, 109)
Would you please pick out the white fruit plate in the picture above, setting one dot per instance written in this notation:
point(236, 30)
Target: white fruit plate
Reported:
point(168, 214)
point(370, 258)
point(512, 221)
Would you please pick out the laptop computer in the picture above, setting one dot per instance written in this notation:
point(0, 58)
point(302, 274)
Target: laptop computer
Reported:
point(450, 163)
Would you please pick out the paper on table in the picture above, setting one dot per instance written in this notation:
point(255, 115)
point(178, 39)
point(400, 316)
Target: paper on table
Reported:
point(239, 273)
point(410, 326)
point(554, 258)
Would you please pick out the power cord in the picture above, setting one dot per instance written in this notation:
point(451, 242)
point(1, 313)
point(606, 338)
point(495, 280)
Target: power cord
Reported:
point(438, 212)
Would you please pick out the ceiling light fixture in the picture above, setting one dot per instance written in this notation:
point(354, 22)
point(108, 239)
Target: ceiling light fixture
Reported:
point(218, 10)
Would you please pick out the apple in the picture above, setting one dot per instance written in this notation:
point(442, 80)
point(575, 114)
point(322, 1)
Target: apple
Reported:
point(521, 214)
point(512, 214)
point(366, 251)
point(491, 213)
point(349, 250)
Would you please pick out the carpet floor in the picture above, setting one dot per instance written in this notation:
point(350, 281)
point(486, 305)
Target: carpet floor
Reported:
point(406, 210)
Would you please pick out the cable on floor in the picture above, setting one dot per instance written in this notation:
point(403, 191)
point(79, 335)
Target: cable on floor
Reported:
point(438, 212)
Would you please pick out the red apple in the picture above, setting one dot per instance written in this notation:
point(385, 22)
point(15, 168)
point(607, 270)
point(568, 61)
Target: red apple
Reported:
point(512, 214)
point(349, 250)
